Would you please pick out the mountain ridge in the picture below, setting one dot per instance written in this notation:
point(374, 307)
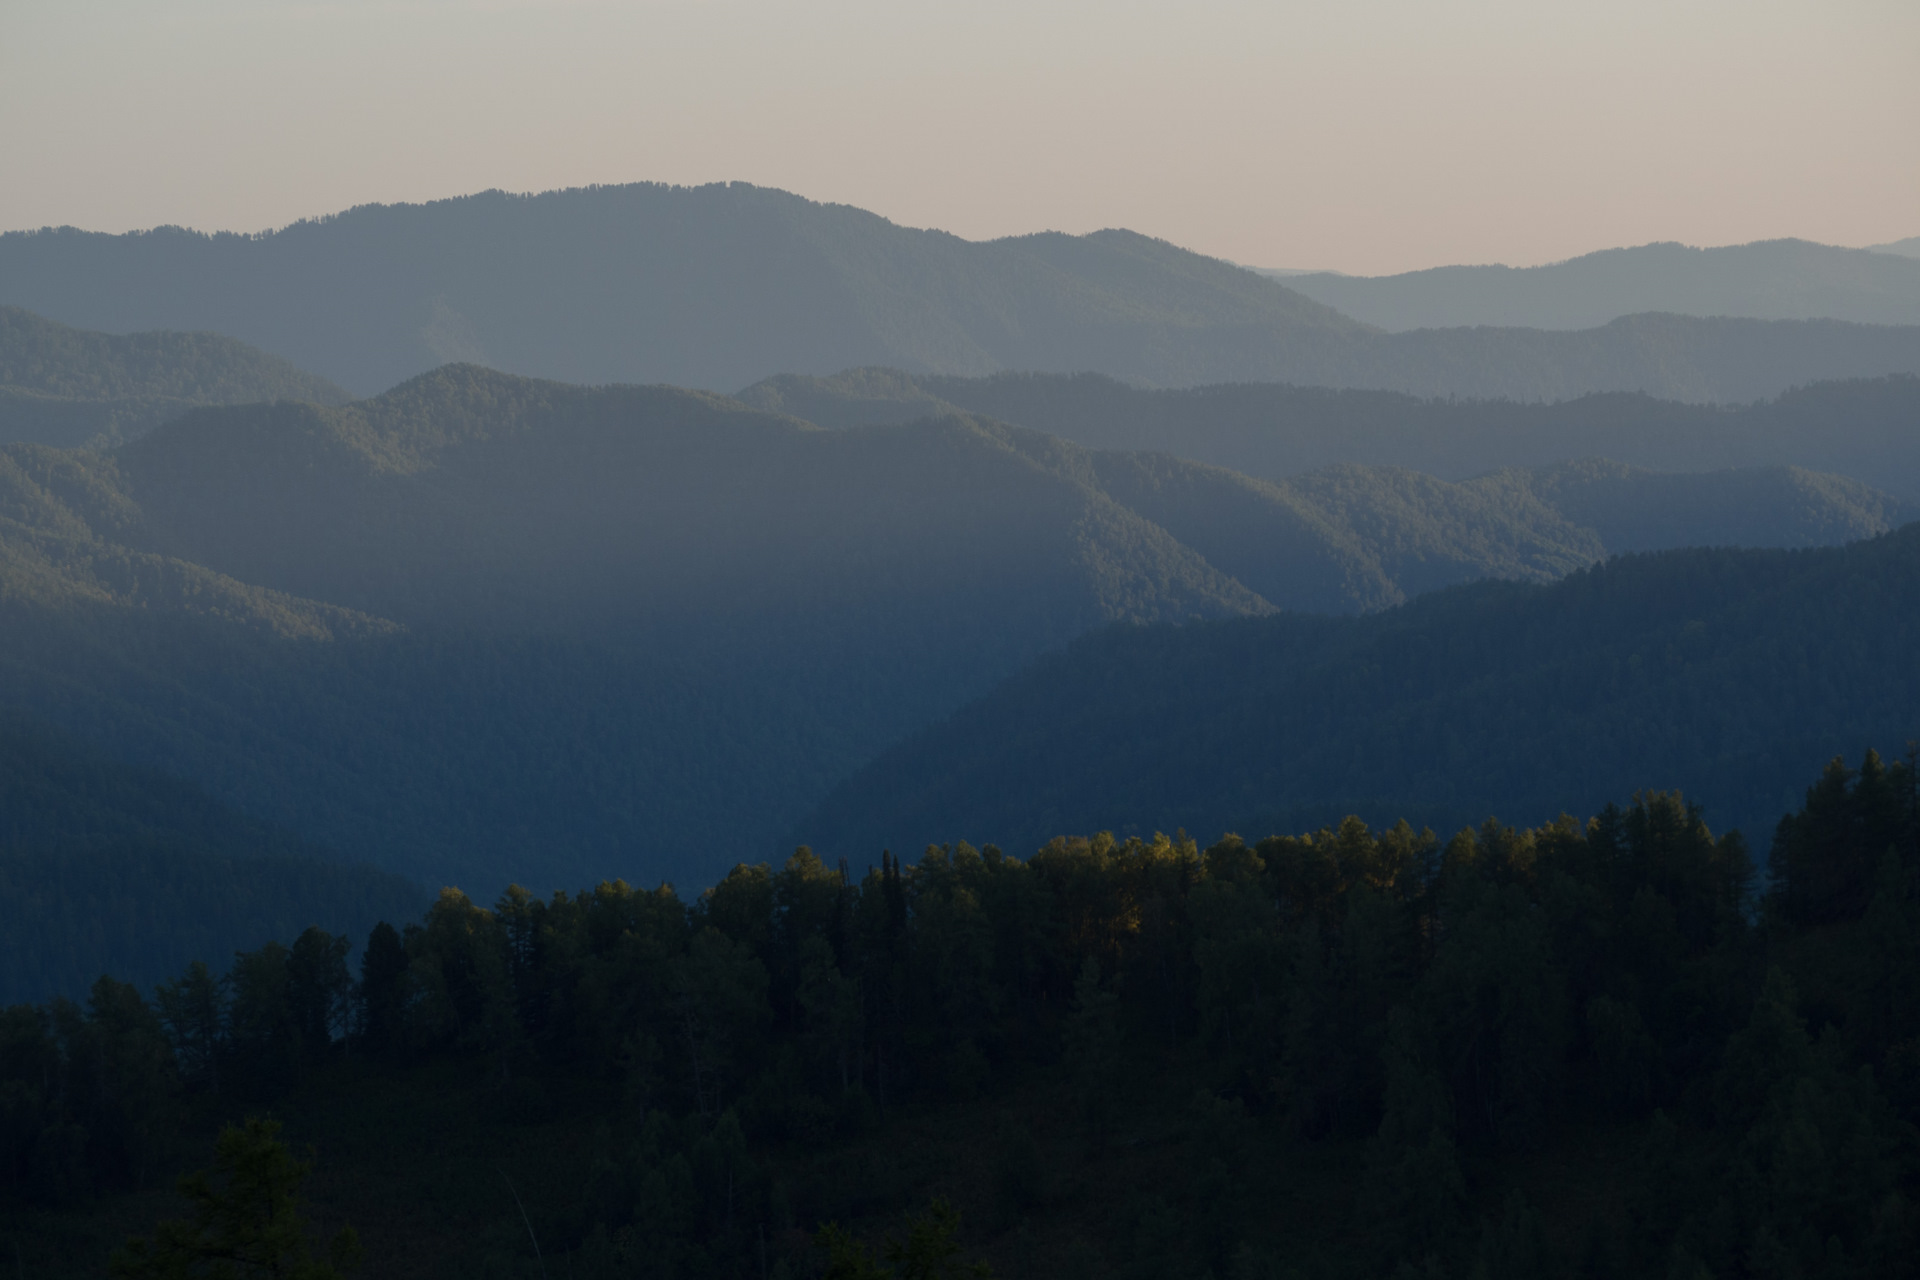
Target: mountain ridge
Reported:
point(717, 286)
point(1786, 279)
point(72, 387)
point(425, 629)
point(1274, 432)
point(1525, 700)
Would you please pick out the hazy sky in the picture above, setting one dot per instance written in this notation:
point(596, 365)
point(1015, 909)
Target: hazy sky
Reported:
point(1367, 135)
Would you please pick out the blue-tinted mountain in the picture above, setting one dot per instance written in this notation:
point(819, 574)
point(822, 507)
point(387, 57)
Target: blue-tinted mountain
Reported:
point(485, 628)
point(1726, 673)
point(112, 869)
point(715, 287)
point(69, 387)
point(1767, 280)
point(1866, 429)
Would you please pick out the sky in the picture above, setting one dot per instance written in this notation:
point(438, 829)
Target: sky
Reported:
point(1368, 136)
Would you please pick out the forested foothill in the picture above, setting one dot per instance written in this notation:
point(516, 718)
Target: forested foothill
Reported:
point(1595, 1049)
point(484, 628)
point(274, 660)
point(718, 286)
point(1721, 672)
point(72, 388)
point(135, 873)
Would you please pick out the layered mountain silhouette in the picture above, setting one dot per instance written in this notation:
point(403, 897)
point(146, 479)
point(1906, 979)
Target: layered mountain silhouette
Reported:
point(1767, 280)
point(1865, 429)
point(484, 628)
point(1726, 674)
point(715, 287)
point(71, 387)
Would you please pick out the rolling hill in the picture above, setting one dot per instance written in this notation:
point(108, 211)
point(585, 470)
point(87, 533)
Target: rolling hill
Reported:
point(483, 612)
point(1728, 674)
point(1867, 429)
point(484, 628)
point(69, 387)
point(717, 286)
point(124, 871)
point(1767, 280)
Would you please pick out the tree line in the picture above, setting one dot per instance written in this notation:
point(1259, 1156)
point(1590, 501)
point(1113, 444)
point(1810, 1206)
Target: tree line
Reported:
point(1430, 1013)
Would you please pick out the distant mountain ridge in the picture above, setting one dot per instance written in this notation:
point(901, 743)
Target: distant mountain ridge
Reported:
point(70, 387)
point(706, 287)
point(1277, 432)
point(1766, 280)
point(715, 287)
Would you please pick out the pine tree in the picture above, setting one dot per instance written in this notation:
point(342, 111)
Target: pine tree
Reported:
point(246, 1219)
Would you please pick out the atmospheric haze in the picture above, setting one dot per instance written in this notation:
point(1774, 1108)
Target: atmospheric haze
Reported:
point(1368, 138)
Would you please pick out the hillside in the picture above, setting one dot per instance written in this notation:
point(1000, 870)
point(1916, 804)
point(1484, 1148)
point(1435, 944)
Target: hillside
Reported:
point(1598, 1049)
point(1276, 432)
point(118, 870)
point(69, 387)
point(485, 628)
point(715, 287)
point(1727, 673)
point(1767, 280)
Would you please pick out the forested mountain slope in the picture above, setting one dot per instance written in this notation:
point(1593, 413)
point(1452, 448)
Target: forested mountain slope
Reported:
point(69, 387)
point(1766, 280)
point(1727, 673)
point(118, 870)
point(708, 286)
point(717, 286)
point(1601, 1049)
point(485, 628)
point(1866, 429)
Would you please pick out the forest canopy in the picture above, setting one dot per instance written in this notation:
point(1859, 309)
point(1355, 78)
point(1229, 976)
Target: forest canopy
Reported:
point(1423, 1022)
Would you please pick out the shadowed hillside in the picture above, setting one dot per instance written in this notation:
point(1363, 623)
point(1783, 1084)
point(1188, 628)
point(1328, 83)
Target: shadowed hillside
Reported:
point(481, 612)
point(484, 627)
point(69, 387)
point(1735, 671)
point(124, 871)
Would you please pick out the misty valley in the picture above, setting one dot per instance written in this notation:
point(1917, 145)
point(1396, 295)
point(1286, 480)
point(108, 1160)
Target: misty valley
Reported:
point(686, 732)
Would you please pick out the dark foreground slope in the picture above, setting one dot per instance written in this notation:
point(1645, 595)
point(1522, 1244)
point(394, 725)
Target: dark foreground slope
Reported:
point(1596, 1050)
point(1766, 280)
point(1730, 674)
point(717, 286)
point(68, 387)
point(1868, 430)
point(110, 869)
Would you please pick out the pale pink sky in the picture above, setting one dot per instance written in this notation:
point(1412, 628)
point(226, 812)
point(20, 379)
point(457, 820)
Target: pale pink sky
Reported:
point(1368, 136)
